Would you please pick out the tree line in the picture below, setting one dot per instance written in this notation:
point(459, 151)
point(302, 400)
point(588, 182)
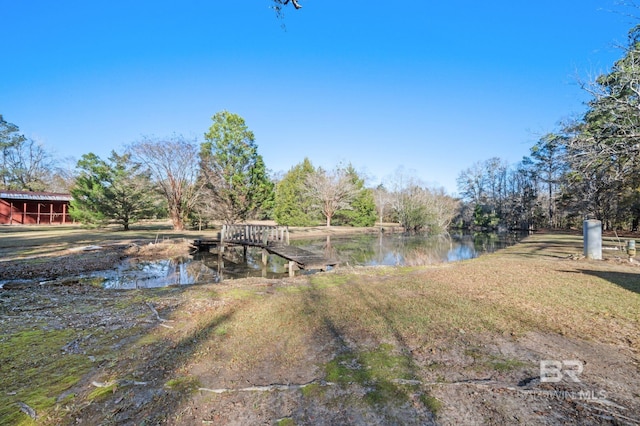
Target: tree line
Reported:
point(588, 168)
point(222, 179)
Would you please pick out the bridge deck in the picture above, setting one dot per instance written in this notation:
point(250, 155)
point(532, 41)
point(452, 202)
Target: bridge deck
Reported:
point(303, 258)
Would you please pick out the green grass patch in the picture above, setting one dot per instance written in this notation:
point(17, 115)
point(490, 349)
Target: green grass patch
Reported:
point(102, 393)
point(184, 384)
point(132, 297)
point(239, 294)
point(313, 390)
point(34, 370)
point(221, 330)
point(329, 280)
point(148, 339)
point(432, 403)
point(376, 370)
point(504, 365)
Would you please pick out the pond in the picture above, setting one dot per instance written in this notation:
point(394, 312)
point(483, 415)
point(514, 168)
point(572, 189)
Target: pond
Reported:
point(352, 250)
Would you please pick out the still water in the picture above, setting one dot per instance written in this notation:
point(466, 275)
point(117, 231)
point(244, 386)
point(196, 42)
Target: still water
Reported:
point(352, 250)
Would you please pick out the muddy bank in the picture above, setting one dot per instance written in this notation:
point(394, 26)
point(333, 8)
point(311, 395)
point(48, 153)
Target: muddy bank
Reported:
point(106, 254)
point(85, 259)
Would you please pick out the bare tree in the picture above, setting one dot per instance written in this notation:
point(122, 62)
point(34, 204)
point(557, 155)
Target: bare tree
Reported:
point(28, 166)
point(24, 164)
point(443, 209)
point(173, 163)
point(330, 191)
point(63, 175)
point(472, 183)
point(383, 199)
point(419, 208)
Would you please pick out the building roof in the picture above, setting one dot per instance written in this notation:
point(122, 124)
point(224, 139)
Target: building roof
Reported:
point(34, 196)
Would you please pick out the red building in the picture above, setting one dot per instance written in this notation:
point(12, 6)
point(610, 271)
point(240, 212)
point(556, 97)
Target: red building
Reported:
point(34, 208)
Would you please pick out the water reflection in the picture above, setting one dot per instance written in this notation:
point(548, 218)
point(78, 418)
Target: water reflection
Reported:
point(353, 250)
point(398, 249)
point(132, 274)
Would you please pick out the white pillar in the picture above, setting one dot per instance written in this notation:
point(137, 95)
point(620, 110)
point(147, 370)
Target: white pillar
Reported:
point(592, 233)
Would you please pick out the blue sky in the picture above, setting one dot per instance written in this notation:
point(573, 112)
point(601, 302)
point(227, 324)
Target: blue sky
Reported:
point(428, 86)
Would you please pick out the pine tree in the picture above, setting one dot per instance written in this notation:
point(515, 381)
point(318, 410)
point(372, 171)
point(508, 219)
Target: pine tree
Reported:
point(115, 191)
point(292, 207)
point(236, 179)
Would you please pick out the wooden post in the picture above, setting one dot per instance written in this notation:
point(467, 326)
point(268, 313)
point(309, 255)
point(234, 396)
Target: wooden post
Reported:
point(24, 212)
point(244, 253)
point(220, 257)
point(265, 256)
point(64, 213)
point(38, 215)
point(50, 213)
point(292, 265)
point(11, 213)
point(221, 247)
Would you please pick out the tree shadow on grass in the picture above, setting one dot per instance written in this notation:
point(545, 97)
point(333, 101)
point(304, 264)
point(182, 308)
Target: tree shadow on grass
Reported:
point(546, 248)
point(150, 382)
point(386, 373)
point(627, 280)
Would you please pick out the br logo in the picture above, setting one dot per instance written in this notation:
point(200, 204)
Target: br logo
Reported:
point(554, 371)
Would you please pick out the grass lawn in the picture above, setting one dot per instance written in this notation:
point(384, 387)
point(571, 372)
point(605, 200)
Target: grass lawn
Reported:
point(357, 345)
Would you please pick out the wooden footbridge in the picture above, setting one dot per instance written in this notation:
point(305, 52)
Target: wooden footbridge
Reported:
point(272, 240)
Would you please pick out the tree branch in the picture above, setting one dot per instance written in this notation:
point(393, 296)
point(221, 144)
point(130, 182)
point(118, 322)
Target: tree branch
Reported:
point(294, 3)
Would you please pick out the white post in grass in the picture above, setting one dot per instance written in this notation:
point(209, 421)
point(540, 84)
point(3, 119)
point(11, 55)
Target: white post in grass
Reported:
point(592, 233)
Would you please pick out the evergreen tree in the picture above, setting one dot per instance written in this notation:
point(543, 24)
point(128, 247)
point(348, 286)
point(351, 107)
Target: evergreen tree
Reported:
point(115, 191)
point(292, 207)
point(235, 176)
point(363, 207)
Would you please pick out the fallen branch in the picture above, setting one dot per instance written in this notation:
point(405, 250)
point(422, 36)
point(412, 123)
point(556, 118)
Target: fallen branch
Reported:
point(27, 410)
point(161, 320)
point(267, 388)
point(119, 382)
point(280, 387)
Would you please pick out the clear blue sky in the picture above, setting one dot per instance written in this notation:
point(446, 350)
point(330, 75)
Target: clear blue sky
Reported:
point(431, 86)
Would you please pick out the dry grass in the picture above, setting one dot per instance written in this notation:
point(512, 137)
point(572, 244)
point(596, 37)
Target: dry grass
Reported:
point(369, 325)
point(33, 241)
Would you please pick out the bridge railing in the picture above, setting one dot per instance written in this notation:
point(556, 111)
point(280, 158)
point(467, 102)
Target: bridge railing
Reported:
point(254, 234)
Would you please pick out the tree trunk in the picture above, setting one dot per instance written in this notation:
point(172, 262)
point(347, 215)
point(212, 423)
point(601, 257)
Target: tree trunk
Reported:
point(176, 219)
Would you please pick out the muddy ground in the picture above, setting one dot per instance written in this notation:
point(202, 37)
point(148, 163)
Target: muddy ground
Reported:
point(143, 361)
